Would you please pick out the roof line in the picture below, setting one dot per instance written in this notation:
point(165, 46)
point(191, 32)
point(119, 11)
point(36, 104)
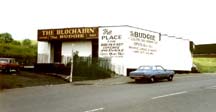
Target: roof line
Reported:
point(131, 27)
point(175, 37)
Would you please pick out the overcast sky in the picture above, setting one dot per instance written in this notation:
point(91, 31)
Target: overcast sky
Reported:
point(189, 19)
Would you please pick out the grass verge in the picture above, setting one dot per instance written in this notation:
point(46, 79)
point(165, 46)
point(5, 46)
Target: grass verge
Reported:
point(204, 64)
point(26, 79)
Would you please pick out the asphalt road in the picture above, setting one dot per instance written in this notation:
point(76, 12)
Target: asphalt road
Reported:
point(186, 93)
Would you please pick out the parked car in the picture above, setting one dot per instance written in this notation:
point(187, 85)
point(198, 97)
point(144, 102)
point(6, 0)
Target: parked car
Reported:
point(9, 64)
point(152, 73)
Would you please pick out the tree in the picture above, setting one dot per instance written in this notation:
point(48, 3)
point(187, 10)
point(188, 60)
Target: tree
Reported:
point(6, 38)
point(24, 52)
point(15, 42)
point(26, 42)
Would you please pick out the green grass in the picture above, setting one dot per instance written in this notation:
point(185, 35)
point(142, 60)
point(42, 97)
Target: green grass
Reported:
point(207, 65)
point(26, 79)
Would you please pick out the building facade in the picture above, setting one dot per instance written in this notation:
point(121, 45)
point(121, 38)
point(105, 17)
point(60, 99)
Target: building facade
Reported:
point(128, 47)
point(55, 45)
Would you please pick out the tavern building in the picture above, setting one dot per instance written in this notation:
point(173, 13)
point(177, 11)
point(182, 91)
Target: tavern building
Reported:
point(128, 47)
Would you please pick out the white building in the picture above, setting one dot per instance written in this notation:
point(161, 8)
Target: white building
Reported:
point(127, 47)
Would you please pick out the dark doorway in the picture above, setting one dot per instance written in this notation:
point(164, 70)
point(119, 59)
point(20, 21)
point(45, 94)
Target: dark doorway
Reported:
point(57, 49)
point(95, 48)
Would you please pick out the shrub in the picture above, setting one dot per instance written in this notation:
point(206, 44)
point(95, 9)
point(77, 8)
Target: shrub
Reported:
point(205, 64)
point(89, 68)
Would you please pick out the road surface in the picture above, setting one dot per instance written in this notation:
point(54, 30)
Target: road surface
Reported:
point(186, 93)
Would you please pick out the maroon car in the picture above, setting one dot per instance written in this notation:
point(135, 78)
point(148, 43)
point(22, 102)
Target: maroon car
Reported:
point(9, 64)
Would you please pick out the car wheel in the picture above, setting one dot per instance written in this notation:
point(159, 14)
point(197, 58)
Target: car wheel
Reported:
point(152, 79)
point(4, 71)
point(7, 70)
point(170, 78)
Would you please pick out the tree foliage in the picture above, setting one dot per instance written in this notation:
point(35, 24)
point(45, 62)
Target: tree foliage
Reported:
point(26, 42)
point(25, 52)
point(15, 42)
point(6, 38)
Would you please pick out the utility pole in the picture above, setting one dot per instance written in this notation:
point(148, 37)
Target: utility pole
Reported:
point(71, 72)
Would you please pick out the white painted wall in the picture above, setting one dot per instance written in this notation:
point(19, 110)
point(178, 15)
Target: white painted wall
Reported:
point(136, 49)
point(112, 44)
point(83, 47)
point(43, 52)
point(141, 48)
point(175, 53)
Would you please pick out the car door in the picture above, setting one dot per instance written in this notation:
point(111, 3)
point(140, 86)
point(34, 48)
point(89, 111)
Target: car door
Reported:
point(161, 72)
point(154, 72)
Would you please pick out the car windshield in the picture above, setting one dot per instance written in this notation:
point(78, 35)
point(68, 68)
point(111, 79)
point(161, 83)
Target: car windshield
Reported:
point(145, 68)
point(3, 61)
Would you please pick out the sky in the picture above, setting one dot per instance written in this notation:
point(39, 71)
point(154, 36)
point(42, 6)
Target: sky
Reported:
point(189, 19)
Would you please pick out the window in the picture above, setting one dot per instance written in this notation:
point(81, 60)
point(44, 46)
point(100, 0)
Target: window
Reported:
point(159, 68)
point(145, 68)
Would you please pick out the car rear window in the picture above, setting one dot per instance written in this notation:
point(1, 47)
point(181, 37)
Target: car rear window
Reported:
point(145, 68)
